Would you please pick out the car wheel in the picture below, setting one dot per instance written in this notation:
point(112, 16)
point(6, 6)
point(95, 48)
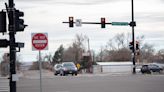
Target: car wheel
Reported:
point(142, 72)
point(160, 71)
point(55, 74)
point(151, 72)
point(62, 73)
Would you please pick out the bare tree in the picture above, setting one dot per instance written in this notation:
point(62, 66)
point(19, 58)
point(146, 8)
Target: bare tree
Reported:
point(120, 40)
point(74, 52)
point(160, 56)
point(110, 45)
point(147, 52)
point(102, 55)
point(117, 48)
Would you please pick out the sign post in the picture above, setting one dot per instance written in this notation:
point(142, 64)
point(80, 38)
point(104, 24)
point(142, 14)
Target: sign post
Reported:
point(40, 68)
point(40, 42)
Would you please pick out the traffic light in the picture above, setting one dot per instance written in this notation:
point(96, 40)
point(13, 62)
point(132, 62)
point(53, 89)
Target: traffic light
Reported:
point(102, 22)
point(137, 48)
point(4, 43)
point(19, 23)
point(71, 21)
point(2, 22)
point(131, 45)
point(137, 45)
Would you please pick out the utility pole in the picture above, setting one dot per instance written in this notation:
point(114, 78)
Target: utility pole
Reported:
point(90, 57)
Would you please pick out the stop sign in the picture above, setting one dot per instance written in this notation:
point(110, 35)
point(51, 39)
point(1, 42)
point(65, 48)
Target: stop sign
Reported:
point(39, 41)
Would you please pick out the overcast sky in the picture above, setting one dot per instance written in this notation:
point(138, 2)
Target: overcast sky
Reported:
point(48, 15)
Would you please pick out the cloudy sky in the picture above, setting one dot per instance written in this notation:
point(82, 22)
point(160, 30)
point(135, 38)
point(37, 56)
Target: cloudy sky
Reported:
point(48, 15)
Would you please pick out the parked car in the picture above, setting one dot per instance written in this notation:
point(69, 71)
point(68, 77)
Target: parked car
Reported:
point(151, 68)
point(68, 68)
point(57, 68)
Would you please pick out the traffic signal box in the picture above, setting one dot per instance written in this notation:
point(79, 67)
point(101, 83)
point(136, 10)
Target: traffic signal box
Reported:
point(71, 21)
point(137, 45)
point(137, 48)
point(4, 43)
point(3, 22)
point(131, 45)
point(19, 22)
point(102, 22)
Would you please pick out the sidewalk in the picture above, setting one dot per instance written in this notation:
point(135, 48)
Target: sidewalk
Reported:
point(35, 74)
point(4, 84)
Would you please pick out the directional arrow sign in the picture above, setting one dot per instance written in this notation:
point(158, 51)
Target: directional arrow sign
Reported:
point(120, 23)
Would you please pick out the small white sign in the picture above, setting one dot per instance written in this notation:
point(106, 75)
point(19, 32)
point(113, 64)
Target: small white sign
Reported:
point(15, 77)
point(78, 22)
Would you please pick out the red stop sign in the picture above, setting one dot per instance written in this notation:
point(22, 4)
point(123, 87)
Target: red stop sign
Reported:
point(39, 41)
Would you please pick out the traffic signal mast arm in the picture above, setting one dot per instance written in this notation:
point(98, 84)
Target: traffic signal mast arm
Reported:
point(89, 22)
point(102, 23)
point(109, 23)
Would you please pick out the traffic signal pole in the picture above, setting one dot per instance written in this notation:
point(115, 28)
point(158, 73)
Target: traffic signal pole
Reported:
point(12, 47)
point(133, 39)
point(16, 24)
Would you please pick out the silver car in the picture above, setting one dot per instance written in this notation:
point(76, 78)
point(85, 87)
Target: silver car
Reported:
point(57, 68)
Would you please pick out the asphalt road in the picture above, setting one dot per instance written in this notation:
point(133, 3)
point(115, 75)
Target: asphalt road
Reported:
point(93, 83)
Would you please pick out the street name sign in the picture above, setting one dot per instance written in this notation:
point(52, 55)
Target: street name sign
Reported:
point(120, 23)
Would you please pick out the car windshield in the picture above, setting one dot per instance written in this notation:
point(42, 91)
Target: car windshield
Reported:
point(68, 65)
point(58, 66)
point(153, 66)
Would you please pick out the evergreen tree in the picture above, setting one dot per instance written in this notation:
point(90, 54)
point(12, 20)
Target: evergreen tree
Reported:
point(58, 56)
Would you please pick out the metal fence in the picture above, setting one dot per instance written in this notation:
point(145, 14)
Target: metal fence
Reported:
point(112, 69)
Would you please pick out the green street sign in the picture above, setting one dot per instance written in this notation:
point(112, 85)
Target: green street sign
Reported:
point(120, 23)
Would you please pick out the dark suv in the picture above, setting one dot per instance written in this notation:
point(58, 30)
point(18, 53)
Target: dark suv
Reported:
point(151, 68)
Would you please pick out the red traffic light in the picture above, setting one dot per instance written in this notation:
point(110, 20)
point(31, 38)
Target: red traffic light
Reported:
point(71, 21)
point(103, 22)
